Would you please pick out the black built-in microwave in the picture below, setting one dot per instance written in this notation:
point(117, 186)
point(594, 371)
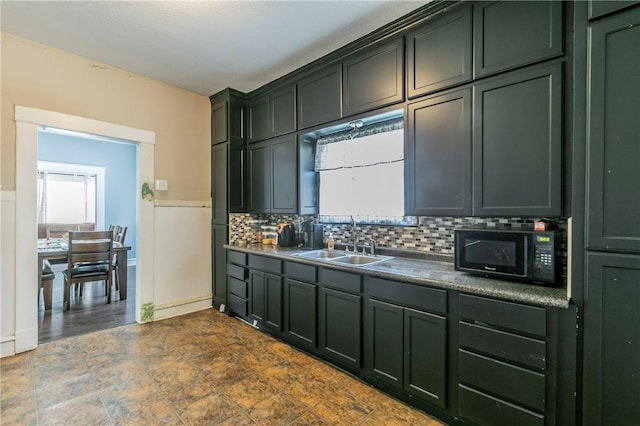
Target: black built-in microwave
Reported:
point(514, 254)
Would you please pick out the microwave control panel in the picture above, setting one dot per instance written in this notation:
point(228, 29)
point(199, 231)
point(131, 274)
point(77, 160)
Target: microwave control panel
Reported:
point(544, 257)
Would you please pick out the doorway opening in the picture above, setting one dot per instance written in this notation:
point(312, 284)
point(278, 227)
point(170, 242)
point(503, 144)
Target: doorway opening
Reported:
point(85, 182)
point(28, 123)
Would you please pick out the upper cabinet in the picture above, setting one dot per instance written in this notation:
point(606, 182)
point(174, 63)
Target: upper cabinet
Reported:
point(509, 34)
point(219, 129)
point(273, 114)
point(320, 97)
point(613, 175)
point(517, 143)
point(598, 8)
point(439, 53)
point(438, 155)
point(373, 77)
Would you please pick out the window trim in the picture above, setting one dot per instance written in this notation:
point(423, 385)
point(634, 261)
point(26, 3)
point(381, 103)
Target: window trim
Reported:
point(70, 168)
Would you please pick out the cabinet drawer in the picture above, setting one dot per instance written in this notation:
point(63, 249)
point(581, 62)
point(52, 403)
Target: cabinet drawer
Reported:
point(509, 315)
point(341, 280)
point(236, 257)
point(498, 378)
point(413, 296)
point(300, 271)
point(266, 264)
point(507, 346)
point(238, 305)
point(238, 287)
point(487, 410)
point(236, 271)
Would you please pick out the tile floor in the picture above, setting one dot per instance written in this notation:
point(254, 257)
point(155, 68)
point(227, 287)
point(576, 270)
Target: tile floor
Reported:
point(202, 368)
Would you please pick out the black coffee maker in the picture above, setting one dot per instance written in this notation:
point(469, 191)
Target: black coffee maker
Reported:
point(313, 233)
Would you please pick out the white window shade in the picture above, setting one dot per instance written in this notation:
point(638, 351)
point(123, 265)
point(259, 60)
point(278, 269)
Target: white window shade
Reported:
point(379, 148)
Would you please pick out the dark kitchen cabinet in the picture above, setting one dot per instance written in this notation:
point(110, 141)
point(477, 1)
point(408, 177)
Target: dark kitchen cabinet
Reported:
point(340, 328)
point(228, 178)
point(273, 114)
point(266, 299)
point(611, 339)
point(300, 312)
point(613, 175)
point(405, 347)
point(219, 237)
point(503, 359)
point(439, 53)
point(320, 97)
point(438, 160)
point(300, 304)
point(517, 143)
point(273, 175)
point(510, 34)
point(599, 8)
point(373, 78)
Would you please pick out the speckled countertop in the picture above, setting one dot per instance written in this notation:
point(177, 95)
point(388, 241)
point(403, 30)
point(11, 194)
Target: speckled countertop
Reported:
point(433, 273)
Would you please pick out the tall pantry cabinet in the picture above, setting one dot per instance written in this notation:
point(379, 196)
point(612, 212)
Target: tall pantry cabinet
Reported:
point(611, 373)
point(228, 179)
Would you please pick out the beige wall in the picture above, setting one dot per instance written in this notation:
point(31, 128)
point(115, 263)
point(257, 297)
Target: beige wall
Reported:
point(38, 76)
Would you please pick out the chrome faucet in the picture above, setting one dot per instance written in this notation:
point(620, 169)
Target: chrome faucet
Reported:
point(354, 230)
point(372, 246)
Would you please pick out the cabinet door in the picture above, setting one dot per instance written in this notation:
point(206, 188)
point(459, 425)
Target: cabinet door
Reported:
point(219, 114)
point(257, 296)
point(308, 178)
point(439, 53)
point(598, 8)
point(237, 185)
point(259, 119)
point(320, 97)
point(384, 353)
point(283, 111)
point(425, 356)
point(284, 169)
point(438, 161)
point(260, 170)
point(219, 237)
point(509, 34)
point(273, 302)
point(219, 183)
point(613, 215)
point(300, 312)
point(517, 143)
point(373, 78)
point(611, 339)
point(340, 327)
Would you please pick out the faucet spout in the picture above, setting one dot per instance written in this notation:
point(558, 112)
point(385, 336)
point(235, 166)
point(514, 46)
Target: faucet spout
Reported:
point(354, 230)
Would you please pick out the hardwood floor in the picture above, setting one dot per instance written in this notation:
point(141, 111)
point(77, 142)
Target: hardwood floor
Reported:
point(88, 313)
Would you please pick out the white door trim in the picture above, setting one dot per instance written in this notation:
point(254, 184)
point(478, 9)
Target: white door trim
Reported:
point(28, 120)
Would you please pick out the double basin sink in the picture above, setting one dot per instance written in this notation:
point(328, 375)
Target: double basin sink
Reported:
point(342, 257)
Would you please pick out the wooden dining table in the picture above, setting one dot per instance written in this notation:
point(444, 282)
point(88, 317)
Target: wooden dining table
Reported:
point(58, 248)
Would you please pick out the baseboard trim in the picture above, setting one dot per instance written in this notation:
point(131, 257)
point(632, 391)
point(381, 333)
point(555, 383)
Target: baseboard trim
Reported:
point(182, 307)
point(26, 340)
point(7, 346)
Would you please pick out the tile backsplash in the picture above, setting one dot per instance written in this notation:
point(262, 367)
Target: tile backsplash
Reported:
point(433, 234)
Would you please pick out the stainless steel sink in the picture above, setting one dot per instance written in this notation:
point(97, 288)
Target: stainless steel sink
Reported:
point(358, 260)
point(320, 254)
point(342, 257)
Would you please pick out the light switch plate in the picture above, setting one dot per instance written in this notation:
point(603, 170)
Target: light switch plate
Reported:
point(162, 185)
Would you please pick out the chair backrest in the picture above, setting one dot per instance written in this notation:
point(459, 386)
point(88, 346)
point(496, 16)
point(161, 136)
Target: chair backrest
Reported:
point(120, 235)
point(90, 246)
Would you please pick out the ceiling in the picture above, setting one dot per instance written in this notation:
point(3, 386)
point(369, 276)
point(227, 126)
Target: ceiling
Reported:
point(202, 46)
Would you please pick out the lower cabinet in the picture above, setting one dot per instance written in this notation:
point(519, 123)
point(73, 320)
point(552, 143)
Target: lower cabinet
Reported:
point(340, 327)
point(300, 312)
point(407, 350)
point(266, 299)
point(502, 362)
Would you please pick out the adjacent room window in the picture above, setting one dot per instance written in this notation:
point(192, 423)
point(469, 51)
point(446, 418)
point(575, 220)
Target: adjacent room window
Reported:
point(70, 194)
point(362, 173)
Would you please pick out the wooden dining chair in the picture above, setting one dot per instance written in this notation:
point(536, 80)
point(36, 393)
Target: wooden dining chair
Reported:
point(90, 255)
point(46, 284)
point(119, 236)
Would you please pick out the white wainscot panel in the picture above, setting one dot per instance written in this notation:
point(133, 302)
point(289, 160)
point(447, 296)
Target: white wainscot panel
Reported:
point(7, 272)
point(182, 266)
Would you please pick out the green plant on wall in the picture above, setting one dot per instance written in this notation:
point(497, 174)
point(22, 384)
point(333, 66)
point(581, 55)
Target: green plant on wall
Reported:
point(147, 312)
point(147, 192)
